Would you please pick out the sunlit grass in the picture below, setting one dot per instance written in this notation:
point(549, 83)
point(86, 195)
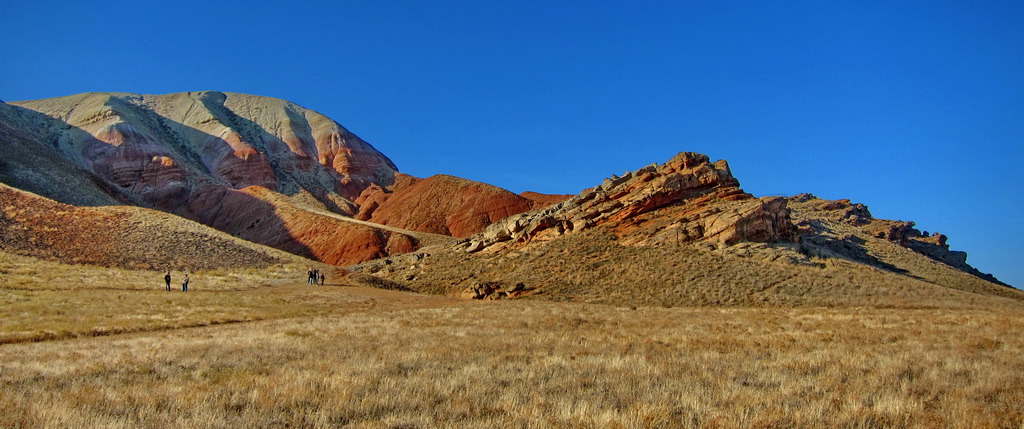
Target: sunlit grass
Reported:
point(41, 300)
point(534, 364)
point(277, 353)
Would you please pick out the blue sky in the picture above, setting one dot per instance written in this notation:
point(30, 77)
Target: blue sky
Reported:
point(913, 108)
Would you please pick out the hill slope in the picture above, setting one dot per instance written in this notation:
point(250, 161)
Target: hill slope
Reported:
point(202, 155)
point(440, 204)
point(157, 147)
point(121, 236)
point(683, 233)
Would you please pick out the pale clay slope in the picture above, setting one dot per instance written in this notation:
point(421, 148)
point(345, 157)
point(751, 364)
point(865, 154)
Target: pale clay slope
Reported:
point(221, 133)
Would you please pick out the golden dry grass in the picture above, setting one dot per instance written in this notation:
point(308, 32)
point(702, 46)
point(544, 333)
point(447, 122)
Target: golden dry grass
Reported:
point(591, 266)
point(344, 356)
point(44, 300)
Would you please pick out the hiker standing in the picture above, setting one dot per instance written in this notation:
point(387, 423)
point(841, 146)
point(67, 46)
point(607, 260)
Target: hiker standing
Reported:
point(167, 279)
point(322, 278)
point(184, 284)
point(309, 276)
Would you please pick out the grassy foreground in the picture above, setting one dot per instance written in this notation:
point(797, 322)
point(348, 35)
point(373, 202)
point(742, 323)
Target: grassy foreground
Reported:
point(356, 357)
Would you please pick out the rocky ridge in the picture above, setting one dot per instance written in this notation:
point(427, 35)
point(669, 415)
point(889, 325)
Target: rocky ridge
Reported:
point(708, 206)
point(684, 233)
point(843, 230)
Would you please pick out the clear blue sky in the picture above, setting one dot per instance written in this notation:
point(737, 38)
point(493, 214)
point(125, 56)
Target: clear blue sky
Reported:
point(913, 108)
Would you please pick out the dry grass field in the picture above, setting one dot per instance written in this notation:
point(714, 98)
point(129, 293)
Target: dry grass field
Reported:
point(592, 267)
point(100, 347)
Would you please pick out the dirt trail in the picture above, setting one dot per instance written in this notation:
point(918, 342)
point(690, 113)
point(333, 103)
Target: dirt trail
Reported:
point(425, 238)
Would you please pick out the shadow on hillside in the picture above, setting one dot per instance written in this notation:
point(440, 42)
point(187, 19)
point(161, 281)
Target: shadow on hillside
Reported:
point(35, 160)
point(952, 258)
point(850, 248)
point(244, 216)
point(316, 178)
point(32, 162)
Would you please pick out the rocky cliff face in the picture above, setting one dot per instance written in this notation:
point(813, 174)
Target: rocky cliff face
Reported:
point(684, 233)
point(687, 199)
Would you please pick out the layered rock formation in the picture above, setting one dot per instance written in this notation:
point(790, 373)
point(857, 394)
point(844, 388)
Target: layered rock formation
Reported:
point(704, 200)
point(842, 229)
point(274, 173)
point(226, 160)
point(247, 165)
point(160, 148)
point(266, 217)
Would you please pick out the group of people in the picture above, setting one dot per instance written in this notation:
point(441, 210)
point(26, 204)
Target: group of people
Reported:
point(316, 277)
point(184, 282)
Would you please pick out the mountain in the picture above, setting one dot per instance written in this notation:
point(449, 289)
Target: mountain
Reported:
point(159, 148)
point(272, 173)
point(258, 168)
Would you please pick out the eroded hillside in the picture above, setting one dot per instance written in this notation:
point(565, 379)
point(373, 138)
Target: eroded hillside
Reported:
point(684, 233)
point(121, 236)
point(259, 168)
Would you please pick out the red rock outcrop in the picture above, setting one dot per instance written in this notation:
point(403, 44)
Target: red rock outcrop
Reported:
point(374, 195)
point(686, 199)
point(135, 162)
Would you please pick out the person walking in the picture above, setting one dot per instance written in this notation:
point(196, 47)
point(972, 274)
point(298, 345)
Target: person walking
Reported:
point(167, 279)
point(184, 284)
